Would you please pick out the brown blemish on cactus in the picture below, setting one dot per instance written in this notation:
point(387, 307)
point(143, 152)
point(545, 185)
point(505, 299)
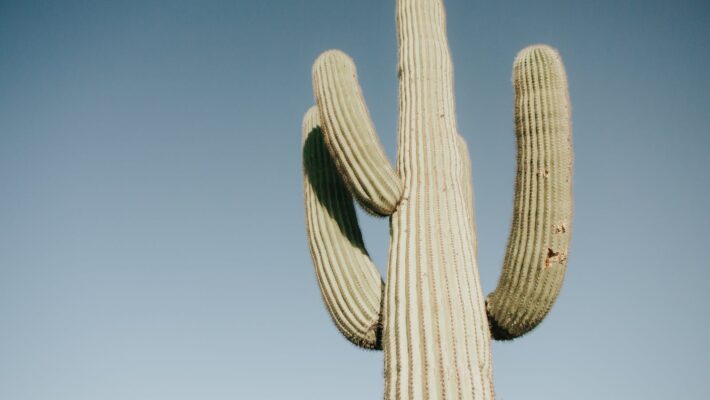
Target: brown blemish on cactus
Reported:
point(562, 258)
point(553, 256)
point(559, 228)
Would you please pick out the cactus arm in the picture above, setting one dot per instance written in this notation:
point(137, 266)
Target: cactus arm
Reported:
point(350, 283)
point(350, 135)
point(536, 256)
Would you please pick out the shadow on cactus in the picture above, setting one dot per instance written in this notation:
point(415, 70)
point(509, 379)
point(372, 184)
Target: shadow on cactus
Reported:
point(329, 189)
point(431, 318)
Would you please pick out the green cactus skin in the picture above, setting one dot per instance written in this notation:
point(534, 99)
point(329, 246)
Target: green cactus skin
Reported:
point(536, 256)
point(430, 318)
point(350, 135)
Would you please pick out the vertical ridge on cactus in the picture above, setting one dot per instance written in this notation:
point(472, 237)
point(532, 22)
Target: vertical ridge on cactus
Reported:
point(430, 317)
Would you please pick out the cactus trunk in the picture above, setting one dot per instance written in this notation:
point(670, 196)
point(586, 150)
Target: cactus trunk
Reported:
point(430, 317)
point(436, 337)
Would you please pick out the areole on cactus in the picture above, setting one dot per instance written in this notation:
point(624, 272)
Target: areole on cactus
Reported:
point(430, 317)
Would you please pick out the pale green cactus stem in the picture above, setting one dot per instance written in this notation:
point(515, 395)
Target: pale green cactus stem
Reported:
point(430, 318)
point(536, 257)
point(350, 135)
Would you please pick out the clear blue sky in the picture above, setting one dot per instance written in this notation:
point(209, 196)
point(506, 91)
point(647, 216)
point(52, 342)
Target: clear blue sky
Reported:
point(152, 243)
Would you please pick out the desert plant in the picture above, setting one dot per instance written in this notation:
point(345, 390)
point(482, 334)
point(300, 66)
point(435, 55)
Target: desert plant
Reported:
point(430, 318)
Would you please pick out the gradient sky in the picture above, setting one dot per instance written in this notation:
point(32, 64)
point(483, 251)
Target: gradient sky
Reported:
point(152, 240)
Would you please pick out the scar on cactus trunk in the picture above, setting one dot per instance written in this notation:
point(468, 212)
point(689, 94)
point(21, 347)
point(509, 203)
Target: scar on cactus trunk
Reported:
point(430, 317)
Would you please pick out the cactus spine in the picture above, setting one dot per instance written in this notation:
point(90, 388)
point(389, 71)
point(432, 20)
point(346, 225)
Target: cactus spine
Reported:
point(430, 318)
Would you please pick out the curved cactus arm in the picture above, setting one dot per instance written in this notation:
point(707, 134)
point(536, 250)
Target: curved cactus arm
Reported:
point(349, 282)
point(536, 256)
point(350, 135)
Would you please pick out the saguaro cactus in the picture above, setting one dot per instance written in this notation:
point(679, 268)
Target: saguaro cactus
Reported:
point(430, 318)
